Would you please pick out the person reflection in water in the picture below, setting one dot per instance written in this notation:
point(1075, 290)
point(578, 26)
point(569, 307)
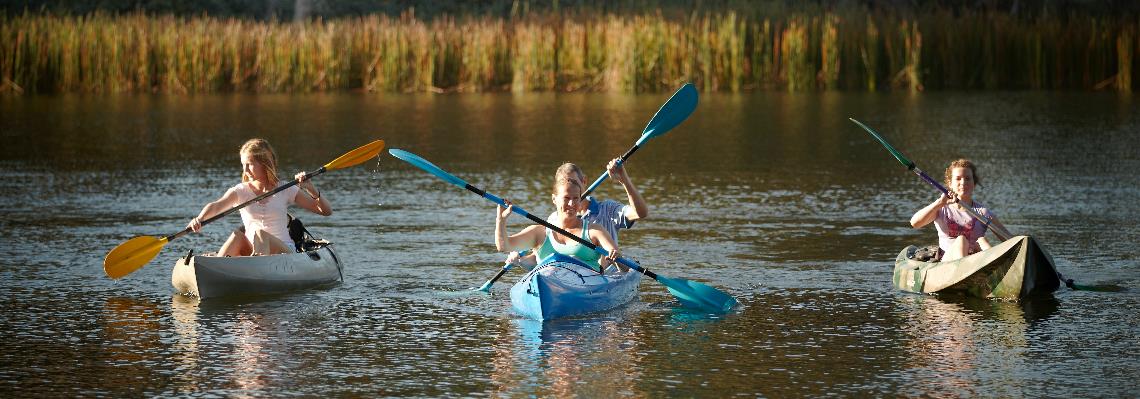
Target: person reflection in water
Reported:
point(959, 234)
point(265, 223)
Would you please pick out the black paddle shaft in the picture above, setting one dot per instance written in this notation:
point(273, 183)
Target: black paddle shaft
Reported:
point(624, 157)
point(187, 230)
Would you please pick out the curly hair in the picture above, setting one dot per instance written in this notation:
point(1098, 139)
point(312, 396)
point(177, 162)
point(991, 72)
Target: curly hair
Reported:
point(963, 163)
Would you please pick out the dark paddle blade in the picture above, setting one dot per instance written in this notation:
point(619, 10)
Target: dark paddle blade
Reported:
point(131, 255)
point(672, 113)
point(1098, 288)
point(486, 287)
point(898, 155)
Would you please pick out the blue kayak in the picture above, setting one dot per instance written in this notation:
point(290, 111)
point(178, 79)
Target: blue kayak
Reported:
point(561, 286)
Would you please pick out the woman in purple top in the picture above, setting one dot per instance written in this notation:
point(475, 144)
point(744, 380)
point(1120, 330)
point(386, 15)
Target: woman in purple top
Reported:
point(959, 234)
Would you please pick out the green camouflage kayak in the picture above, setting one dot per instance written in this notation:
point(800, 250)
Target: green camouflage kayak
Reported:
point(1014, 269)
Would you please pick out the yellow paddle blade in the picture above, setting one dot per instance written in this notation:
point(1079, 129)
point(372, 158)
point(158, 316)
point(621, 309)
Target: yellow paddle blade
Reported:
point(355, 157)
point(131, 255)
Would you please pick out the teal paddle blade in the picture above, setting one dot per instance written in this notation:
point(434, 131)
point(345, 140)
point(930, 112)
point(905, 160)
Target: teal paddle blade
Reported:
point(696, 295)
point(429, 167)
point(676, 110)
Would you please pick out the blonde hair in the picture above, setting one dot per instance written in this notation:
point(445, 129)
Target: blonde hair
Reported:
point(260, 150)
point(963, 163)
point(564, 172)
point(566, 182)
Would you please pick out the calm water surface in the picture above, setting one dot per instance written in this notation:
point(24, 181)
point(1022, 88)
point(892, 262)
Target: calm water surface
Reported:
point(774, 198)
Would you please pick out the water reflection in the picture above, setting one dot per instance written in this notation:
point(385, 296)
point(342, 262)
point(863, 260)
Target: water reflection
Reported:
point(130, 330)
point(251, 359)
point(185, 348)
point(589, 357)
point(959, 340)
point(763, 195)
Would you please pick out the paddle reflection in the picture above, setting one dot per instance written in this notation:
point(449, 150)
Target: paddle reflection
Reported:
point(131, 331)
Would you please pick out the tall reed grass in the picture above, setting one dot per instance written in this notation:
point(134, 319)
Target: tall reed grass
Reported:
point(731, 51)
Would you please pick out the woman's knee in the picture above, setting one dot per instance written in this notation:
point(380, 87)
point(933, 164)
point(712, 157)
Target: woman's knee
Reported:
point(267, 243)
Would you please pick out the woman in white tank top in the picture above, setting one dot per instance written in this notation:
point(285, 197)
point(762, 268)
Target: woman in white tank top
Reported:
point(265, 222)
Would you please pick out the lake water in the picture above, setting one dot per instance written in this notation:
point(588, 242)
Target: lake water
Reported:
point(775, 198)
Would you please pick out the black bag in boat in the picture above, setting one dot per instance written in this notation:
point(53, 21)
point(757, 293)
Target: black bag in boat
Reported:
point(301, 237)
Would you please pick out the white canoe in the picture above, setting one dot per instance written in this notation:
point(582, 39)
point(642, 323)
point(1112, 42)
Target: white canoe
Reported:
point(561, 286)
point(208, 276)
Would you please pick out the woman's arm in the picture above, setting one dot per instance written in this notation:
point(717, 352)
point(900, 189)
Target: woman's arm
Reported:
point(225, 202)
point(927, 214)
point(995, 224)
point(310, 198)
point(525, 239)
point(602, 239)
point(529, 261)
point(637, 204)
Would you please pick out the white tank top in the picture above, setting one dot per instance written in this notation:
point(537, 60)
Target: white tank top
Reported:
point(270, 214)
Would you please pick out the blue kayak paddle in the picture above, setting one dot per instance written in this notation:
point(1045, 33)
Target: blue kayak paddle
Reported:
point(486, 287)
point(1000, 232)
point(672, 113)
point(689, 293)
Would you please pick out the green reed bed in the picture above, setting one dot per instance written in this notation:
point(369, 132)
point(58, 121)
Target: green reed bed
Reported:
point(731, 51)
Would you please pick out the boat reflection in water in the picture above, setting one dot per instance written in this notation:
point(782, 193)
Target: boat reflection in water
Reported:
point(588, 357)
point(958, 342)
point(219, 342)
point(185, 348)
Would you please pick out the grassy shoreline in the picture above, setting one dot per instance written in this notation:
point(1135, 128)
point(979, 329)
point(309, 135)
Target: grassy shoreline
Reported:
point(838, 50)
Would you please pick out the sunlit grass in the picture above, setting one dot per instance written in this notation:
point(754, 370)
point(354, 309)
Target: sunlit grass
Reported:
point(777, 50)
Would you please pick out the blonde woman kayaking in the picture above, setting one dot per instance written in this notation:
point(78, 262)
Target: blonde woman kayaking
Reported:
point(609, 215)
point(567, 204)
point(265, 223)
